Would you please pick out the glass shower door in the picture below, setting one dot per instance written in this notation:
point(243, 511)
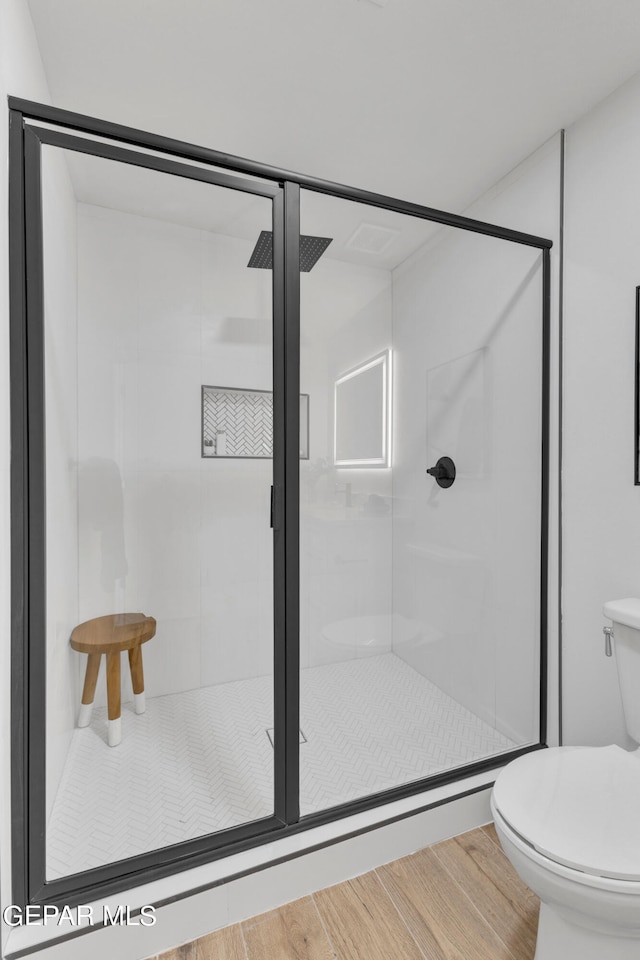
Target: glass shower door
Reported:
point(158, 373)
point(421, 501)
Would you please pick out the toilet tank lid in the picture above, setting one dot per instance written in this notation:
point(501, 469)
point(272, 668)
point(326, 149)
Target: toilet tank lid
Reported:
point(625, 611)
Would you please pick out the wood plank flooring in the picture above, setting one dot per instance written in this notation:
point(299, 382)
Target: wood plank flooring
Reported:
point(457, 900)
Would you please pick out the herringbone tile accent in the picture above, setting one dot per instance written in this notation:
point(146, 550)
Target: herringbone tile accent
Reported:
point(381, 724)
point(201, 761)
point(246, 417)
point(194, 763)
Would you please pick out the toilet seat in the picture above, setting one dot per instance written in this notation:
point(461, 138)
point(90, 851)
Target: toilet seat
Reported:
point(577, 806)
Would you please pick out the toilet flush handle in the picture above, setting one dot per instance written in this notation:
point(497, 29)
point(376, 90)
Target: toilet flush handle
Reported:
point(608, 633)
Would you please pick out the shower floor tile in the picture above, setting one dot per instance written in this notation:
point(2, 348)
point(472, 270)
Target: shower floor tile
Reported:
point(202, 761)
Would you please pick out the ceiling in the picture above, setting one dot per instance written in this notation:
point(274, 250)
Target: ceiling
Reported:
point(427, 100)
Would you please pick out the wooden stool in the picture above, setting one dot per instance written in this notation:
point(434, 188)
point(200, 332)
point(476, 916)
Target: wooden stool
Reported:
point(111, 635)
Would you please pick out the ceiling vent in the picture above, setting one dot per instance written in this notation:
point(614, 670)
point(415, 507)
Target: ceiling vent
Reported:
point(371, 238)
point(311, 249)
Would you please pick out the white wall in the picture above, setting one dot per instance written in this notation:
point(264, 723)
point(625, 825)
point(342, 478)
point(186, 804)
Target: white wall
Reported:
point(21, 74)
point(601, 505)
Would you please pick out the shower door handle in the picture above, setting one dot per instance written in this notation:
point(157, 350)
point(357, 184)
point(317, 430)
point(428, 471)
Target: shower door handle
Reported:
point(276, 507)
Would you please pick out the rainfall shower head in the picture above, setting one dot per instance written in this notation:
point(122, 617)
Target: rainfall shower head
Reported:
point(311, 249)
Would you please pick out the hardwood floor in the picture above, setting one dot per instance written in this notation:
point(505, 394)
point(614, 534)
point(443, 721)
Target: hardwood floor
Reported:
point(457, 900)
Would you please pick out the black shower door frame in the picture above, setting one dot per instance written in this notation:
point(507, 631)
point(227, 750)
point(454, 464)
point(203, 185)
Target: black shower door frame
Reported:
point(31, 126)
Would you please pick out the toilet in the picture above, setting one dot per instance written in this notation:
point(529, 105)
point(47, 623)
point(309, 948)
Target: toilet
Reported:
point(568, 819)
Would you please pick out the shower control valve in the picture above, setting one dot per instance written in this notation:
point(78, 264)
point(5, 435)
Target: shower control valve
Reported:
point(444, 472)
point(608, 633)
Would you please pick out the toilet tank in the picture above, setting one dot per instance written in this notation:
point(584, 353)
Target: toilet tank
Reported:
point(625, 615)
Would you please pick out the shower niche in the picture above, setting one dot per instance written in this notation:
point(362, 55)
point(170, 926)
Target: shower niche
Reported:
point(239, 423)
point(328, 587)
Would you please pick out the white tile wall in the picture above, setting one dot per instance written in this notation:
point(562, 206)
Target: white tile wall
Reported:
point(467, 338)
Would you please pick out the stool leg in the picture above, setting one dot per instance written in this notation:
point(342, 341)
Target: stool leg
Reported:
point(113, 697)
point(137, 677)
point(89, 689)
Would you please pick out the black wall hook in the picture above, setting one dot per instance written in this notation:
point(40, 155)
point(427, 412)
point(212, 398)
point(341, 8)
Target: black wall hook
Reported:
point(444, 472)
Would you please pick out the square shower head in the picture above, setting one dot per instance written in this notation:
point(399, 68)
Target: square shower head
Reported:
point(311, 249)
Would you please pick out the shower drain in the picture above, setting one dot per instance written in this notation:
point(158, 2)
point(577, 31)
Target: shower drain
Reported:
point(269, 732)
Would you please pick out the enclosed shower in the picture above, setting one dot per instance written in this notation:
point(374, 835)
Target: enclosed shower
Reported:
point(303, 428)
